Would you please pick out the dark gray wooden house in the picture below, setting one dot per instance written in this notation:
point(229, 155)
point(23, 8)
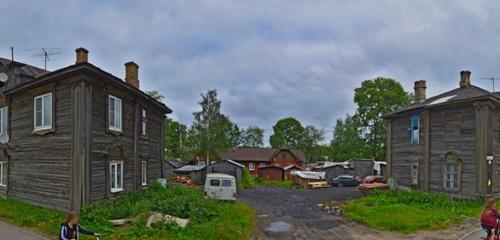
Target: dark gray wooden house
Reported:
point(76, 135)
point(447, 143)
point(229, 167)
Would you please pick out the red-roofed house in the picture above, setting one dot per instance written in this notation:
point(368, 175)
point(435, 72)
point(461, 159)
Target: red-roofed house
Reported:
point(254, 158)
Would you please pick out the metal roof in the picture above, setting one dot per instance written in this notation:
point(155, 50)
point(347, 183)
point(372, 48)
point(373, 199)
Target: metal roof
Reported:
point(456, 95)
point(219, 175)
point(257, 154)
point(189, 168)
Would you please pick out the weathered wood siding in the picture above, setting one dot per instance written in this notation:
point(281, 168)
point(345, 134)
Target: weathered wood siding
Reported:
point(403, 152)
point(362, 167)
point(226, 168)
point(453, 130)
point(496, 153)
point(149, 147)
point(40, 164)
point(271, 173)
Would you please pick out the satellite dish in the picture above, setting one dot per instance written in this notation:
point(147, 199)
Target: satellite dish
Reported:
point(4, 77)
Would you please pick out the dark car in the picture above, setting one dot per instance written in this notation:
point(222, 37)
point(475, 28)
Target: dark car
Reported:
point(373, 179)
point(344, 180)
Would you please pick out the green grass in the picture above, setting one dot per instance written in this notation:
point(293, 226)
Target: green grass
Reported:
point(209, 219)
point(408, 212)
point(47, 222)
point(247, 180)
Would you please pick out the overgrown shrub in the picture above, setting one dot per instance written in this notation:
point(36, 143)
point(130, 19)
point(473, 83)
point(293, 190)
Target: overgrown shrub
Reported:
point(247, 180)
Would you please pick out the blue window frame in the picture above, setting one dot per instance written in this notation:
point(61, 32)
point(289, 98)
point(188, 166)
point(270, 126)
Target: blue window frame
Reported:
point(415, 130)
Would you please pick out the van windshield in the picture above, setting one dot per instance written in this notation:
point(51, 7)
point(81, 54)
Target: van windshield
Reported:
point(215, 182)
point(226, 183)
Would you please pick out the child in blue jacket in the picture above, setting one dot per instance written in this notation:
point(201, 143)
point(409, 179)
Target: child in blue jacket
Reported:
point(71, 229)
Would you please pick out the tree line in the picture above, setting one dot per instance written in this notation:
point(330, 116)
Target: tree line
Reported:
point(357, 135)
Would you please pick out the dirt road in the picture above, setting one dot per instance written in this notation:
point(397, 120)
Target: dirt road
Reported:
point(293, 214)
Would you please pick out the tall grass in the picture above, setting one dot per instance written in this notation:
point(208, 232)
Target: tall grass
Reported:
point(409, 212)
point(209, 219)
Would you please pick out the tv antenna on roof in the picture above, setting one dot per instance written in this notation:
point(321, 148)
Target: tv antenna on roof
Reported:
point(47, 53)
point(492, 79)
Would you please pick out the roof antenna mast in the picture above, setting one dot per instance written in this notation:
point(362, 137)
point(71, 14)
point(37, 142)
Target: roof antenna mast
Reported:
point(492, 79)
point(46, 53)
point(12, 53)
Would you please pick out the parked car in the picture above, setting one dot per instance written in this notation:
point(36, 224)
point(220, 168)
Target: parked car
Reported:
point(220, 186)
point(344, 180)
point(373, 179)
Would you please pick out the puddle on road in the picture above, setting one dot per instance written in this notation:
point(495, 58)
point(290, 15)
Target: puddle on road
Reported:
point(278, 227)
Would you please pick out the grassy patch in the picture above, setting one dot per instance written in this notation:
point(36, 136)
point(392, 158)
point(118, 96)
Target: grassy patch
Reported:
point(408, 212)
point(209, 219)
point(247, 180)
point(275, 183)
point(25, 215)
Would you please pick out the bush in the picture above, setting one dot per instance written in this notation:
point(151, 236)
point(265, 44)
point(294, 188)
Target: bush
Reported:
point(209, 219)
point(247, 180)
point(409, 212)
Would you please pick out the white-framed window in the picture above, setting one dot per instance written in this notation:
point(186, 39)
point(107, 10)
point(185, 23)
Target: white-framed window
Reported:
point(452, 176)
point(43, 112)
point(251, 166)
point(4, 119)
point(115, 113)
point(116, 175)
point(144, 170)
point(3, 174)
point(144, 121)
point(414, 173)
point(415, 130)
point(262, 165)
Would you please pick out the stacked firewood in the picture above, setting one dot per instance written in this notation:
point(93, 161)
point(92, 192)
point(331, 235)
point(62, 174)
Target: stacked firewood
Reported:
point(183, 180)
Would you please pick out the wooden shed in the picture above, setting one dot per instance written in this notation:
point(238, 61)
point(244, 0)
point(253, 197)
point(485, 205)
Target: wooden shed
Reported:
point(362, 167)
point(272, 172)
point(195, 172)
point(170, 166)
point(229, 167)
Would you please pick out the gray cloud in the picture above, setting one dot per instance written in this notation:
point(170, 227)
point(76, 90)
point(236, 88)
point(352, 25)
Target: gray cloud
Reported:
point(267, 59)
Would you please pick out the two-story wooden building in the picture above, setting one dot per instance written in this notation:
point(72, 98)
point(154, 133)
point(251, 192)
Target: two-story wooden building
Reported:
point(447, 143)
point(255, 158)
point(76, 135)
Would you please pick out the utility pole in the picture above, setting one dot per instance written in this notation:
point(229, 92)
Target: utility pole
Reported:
point(207, 160)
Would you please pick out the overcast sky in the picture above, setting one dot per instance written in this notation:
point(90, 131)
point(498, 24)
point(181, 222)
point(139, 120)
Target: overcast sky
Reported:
point(267, 59)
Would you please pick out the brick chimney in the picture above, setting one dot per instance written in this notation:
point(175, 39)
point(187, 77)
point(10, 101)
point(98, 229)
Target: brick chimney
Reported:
point(419, 88)
point(82, 55)
point(465, 79)
point(132, 74)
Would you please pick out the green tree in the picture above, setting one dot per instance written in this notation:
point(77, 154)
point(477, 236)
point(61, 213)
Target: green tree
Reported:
point(156, 95)
point(287, 131)
point(176, 136)
point(347, 142)
point(374, 98)
point(253, 136)
point(310, 143)
point(212, 132)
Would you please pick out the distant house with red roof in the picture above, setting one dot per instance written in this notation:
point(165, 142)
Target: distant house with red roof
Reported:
point(255, 158)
